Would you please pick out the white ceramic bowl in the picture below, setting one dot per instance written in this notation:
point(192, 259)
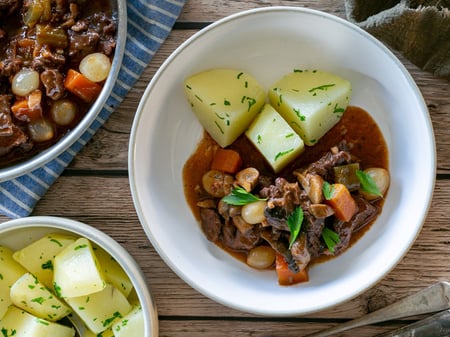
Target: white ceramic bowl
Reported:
point(267, 43)
point(18, 233)
point(28, 165)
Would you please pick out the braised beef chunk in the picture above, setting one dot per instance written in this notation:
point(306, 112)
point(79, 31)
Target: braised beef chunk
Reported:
point(211, 223)
point(53, 82)
point(6, 124)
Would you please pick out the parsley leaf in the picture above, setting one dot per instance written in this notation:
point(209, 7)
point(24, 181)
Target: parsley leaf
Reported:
point(327, 190)
point(294, 222)
point(240, 197)
point(367, 183)
point(331, 238)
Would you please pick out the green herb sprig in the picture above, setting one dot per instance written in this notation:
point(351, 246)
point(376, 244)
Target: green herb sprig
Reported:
point(367, 183)
point(327, 190)
point(331, 238)
point(294, 222)
point(240, 197)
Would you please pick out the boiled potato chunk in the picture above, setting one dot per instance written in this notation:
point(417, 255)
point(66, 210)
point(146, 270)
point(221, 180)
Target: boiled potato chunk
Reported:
point(131, 325)
point(225, 102)
point(19, 323)
point(10, 272)
point(38, 256)
point(101, 309)
point(29, 294)
point(76, 270)
point(311, 101)
point(113, 272)
point(274, 138)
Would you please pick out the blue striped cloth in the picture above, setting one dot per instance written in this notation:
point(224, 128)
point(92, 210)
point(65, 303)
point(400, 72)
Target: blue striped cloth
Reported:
point(149, 24)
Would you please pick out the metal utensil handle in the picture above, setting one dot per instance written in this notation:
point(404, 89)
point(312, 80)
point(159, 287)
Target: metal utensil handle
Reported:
point(432, 299)
point(437, 325)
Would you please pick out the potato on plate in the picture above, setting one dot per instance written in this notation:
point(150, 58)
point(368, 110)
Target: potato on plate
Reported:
point(225, 102)
point(311, 101)
point(274, 138)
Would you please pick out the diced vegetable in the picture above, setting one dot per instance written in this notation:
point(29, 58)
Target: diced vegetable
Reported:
point(76, 271)
point(34, 12)
point(131, 325)
point(311, 101)
point(226, 160)
point(342, 202)
point(286, 276)
point(274, 138)
point(101, 309)
point(346, 174)
point(81, 86)
point(10, 272)
point(52, 36)
point(37, 257)
point(225, 102)
point(19, 323)
point(95, 67)
point(29, 294)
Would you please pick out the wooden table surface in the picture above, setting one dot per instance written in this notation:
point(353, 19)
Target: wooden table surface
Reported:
point(95, 190)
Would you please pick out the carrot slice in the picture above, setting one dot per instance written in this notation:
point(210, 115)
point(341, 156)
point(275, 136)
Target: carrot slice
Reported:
point(286, 276)
point(22, 111)
point(81, 86)
point(226, 160)
point(342, 202)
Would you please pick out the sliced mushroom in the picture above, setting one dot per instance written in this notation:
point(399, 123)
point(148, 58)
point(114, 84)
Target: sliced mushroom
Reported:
point(312, 184)
point(241, 224)
point(217, 184)
point(321, 210)
point(247, 178)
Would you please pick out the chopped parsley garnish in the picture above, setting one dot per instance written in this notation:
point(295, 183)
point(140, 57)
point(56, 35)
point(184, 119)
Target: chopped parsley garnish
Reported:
point(322, 87)
point(282, 153)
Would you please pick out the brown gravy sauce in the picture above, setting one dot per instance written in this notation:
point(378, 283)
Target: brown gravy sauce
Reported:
point(356, 127)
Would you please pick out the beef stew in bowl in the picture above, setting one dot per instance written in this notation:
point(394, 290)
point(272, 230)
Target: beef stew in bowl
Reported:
point(58, 62)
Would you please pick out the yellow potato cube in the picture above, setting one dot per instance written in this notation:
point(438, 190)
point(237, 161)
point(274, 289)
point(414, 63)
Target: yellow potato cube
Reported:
point(131, 325)
point(10, 272)
point(38, 256)
point(100, 310)
point(274, 138)
point(29, 294)
point(77, 271)
point(225, 102)
point(19, 323)
point(311, 101)
point(113, 272)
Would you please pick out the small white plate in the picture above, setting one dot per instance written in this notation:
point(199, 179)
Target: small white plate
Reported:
point(269, 43)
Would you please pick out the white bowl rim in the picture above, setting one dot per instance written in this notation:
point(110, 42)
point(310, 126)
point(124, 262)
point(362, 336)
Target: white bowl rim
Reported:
point(44, 157)
point(119, 253)
point(134, 188)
